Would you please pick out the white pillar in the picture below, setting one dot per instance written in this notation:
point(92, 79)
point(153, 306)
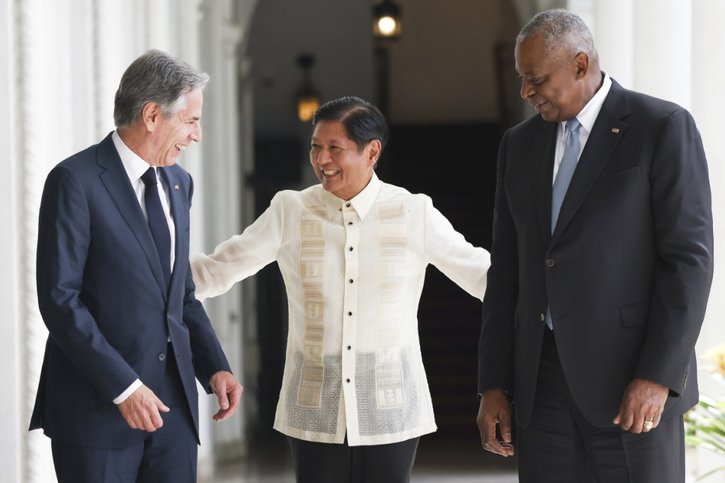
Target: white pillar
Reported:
point(613, 28)
point(663, 49)
point(219, 180)
point(13, 430)
point(32, 161)
point(708, 67)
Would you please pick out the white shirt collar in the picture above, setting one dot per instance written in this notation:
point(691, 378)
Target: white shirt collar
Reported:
point(588, 115)
point(134, 165)
point(362, 202)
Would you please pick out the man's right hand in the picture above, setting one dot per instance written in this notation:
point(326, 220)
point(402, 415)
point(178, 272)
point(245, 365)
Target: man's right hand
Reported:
point(141, 410)
point(495, 410)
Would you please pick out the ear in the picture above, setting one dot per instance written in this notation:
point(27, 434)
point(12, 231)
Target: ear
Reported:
point(374, 148)
point(581, 61)
point(150, 115)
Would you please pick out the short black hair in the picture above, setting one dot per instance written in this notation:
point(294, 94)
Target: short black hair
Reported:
point(363, 121)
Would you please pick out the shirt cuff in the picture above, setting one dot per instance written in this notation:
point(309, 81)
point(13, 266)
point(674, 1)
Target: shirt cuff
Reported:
point(124, 395)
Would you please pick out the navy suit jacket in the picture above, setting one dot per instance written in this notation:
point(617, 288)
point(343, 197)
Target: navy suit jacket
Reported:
point(627, 271)
point(103, 298)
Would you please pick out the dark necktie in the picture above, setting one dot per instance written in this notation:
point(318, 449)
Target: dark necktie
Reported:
point(157, 222)
point(563, 178)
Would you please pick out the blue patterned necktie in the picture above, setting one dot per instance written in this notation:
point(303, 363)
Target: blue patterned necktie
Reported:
point(566, 169)
point(157, 222)
point(563, 177)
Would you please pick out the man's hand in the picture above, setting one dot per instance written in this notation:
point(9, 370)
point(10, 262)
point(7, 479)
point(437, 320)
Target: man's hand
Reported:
point(493, 411)
point(642, 406)
point(228, 391)
point(141, 410)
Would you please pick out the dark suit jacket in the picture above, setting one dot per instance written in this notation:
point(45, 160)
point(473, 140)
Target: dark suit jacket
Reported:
point(102, 296)
point(627, 271)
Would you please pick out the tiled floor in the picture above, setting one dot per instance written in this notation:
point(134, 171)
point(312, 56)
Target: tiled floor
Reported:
point(437, 461)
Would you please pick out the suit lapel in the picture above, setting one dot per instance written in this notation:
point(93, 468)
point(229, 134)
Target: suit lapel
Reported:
point(180, 215)
point(115, 180)
point(606, 133)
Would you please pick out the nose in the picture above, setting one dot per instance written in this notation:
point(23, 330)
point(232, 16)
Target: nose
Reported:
point(321, 157)
point(196, 133)
point(527, 90)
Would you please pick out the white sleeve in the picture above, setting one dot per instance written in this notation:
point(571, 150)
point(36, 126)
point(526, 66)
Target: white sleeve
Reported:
point(242, 255)
point(129, 390)
point(449, 252)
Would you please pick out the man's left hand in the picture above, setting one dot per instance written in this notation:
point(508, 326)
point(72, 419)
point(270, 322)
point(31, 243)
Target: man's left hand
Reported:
point(642, 406)
point(228, 391)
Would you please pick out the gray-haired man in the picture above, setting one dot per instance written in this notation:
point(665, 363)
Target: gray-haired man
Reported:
point(117, 394)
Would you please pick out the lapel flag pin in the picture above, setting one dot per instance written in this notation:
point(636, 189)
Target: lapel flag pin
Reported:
point(615, 130)
point(176, 187)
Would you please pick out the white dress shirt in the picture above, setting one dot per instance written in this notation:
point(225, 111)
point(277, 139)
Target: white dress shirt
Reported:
point(354, 273)
point(135, 168)
point(586, 117)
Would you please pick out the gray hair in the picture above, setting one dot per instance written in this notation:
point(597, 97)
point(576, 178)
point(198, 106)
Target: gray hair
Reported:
point(563, 33)
point(155, 77)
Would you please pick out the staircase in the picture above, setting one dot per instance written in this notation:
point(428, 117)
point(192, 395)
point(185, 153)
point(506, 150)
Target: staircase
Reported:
point(456, 166)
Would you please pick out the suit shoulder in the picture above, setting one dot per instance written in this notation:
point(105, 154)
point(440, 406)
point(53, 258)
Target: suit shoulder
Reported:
point(526, 127)
point(81, 166)
point(177, 170)
point(647, 105)
point(81, 160)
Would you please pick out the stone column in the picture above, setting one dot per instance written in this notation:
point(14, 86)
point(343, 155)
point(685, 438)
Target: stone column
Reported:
point(708, 69)
point(663, 49)
point(219, 179)
point(613, 29)
point(12, 443)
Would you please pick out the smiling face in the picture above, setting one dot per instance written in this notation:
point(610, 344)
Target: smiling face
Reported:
point(168, 137)
point(553, 84)
point(342, 169)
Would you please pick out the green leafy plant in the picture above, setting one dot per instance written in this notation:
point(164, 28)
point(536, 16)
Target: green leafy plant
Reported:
point(705, 423)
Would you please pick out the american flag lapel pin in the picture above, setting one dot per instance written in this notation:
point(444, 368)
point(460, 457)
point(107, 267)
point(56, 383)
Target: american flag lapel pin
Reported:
point(615, 130)
point(177, 187)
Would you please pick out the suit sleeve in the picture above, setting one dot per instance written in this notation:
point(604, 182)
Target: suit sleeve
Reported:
point(207, 355)
point(233, 260)
point(682, 217)
point(64, 235)
point(495, 349)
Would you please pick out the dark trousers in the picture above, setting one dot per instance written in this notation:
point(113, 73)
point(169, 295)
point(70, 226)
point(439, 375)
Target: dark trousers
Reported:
point(167, 455)
point(559, 445)
point(340, 463)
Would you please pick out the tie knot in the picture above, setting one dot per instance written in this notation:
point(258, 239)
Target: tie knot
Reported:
point(149, 177)
point(572, 125)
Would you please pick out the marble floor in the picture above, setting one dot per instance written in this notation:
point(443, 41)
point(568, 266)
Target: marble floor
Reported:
point(437, 461)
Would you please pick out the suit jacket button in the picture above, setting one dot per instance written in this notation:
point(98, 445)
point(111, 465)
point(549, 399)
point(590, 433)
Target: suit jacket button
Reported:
point(550, 262)
point(162, 356)
point(543, 317)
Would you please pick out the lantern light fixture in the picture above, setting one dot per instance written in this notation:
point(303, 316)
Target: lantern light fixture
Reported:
point(386, 20)
point(308, 100)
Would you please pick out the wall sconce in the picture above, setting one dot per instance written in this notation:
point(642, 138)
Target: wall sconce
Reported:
point(308, 100)
point(386, 20)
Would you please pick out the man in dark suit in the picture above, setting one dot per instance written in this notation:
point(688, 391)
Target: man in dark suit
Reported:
point(601, 270)
point(117, 393)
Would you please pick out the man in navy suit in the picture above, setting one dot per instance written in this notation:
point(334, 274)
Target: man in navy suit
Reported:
point(601, 267)
point(117, 393)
